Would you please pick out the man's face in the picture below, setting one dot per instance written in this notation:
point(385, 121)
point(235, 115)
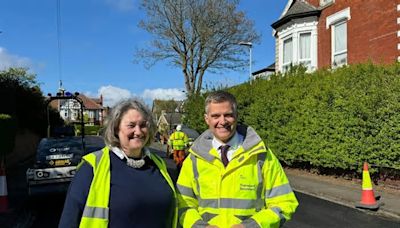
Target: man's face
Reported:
point(221, 120)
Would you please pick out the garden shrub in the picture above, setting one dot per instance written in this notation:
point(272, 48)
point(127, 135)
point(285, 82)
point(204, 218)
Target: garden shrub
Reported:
point(328, 119)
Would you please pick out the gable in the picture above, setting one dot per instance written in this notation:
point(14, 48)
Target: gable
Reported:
point(356, 42)
point(171, 119)
point(167, 105)
point(89, 103)
point(294, 10)
point(288, 4)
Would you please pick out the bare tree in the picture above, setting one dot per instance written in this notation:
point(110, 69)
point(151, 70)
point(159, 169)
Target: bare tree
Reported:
point(196, 35)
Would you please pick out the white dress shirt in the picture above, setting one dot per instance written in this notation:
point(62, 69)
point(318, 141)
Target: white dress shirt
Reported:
point(121, 154)
point(234, 143)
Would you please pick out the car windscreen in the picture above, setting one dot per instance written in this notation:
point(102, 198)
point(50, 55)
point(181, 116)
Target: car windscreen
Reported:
point(94, 143)
point(59, 151)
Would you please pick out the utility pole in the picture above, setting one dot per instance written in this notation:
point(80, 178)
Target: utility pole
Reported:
point(249, 45)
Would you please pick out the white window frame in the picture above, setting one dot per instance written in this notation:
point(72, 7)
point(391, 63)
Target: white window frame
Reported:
point(341, 52)
point(338, 16)
point(326, 2)
point(333, 20)
point(294, 30)
point(306, 61)
point(286, 66)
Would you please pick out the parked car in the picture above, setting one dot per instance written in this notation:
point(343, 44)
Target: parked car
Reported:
point(191, 133)
point(56, 162)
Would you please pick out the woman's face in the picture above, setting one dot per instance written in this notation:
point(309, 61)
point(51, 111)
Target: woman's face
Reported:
point(133, 133)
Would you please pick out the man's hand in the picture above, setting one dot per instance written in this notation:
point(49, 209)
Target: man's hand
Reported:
point(238, 226)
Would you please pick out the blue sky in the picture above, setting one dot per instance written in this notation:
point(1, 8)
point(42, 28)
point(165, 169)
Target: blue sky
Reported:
point(98, 39)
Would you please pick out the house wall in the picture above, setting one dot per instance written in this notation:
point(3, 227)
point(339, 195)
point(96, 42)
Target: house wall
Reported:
point(371, 31)
point(95, 116)
point(277, 66)
point(314, 2)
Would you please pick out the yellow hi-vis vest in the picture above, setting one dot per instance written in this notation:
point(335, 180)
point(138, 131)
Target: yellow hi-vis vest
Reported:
point(178, 140)
point(96, 211)
point(252, 189)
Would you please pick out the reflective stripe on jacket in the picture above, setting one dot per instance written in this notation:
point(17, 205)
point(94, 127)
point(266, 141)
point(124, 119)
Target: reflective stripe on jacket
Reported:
point(253, 189)
point(178, 140)
point(96, 211)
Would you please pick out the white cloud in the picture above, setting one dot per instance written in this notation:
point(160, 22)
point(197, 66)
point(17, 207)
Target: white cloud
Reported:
point(8, 60)
point(111, 95)
point(91, 94)
point(122, 5)
point(164, 94)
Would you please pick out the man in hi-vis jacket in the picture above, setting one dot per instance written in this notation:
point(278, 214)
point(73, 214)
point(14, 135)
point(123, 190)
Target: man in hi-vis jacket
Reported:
point(231, 178)
point(178, 141)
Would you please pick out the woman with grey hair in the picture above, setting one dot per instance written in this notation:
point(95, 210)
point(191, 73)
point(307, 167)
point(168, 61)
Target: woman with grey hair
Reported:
point(124, 184)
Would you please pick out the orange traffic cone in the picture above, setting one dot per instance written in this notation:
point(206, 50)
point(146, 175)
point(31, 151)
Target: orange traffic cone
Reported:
point(368, 200)
point(3, 190)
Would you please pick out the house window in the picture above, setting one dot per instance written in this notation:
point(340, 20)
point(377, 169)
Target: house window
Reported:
point(339, 44)
point(305, 49)
point(338, 24)
point(287, 54)
point(325, 2)
point(297, 44)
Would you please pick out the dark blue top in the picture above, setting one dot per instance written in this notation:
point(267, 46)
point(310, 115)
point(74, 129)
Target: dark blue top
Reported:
point(138, 197)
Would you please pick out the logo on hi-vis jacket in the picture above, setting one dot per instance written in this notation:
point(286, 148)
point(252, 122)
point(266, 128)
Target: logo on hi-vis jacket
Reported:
point(247, 187)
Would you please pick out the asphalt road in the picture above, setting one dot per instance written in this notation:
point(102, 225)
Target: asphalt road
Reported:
point(312, 212)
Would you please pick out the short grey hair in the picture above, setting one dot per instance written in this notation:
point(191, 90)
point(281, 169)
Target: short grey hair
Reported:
point(114, 119)
point(219, 97)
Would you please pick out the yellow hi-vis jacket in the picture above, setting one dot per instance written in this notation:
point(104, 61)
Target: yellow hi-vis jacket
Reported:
point(178, 140)
point(95, 213)
point(253, 189)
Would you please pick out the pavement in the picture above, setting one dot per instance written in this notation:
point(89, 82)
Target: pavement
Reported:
point(345, 192)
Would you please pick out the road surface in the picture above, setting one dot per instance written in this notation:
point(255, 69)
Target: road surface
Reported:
point(312, 212)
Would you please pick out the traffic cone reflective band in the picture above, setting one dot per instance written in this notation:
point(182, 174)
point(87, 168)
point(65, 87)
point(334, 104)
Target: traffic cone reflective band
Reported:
point(368, 200)
point(3, 190)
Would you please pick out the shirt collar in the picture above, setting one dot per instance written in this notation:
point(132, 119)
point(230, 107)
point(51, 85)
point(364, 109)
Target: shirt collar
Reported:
point(234, 142)
point(121, 154)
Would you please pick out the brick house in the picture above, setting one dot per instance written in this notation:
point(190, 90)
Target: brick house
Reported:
point(264, 73)
point(169, 121)
point(167, 114)
point(332, 33)
point(69, 109)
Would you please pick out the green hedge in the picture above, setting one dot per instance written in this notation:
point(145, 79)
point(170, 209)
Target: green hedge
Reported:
point(89, 130)
point(194, 113)
point(8, 129)
point(23, 99)
point(328, 119)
